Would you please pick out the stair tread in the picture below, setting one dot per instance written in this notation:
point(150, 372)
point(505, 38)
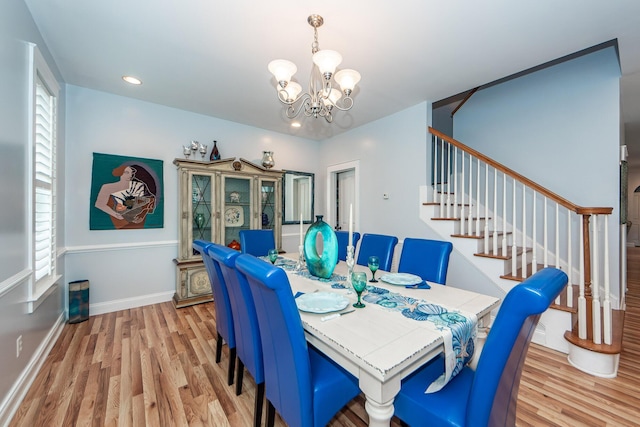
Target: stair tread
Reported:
point(617, 324)
point(481, 236)
point(518, 277)
point(519, 251)
point(458, 219)
point(563, 306)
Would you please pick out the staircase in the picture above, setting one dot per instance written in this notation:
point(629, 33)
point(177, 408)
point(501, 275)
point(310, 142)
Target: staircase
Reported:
point(510, 227)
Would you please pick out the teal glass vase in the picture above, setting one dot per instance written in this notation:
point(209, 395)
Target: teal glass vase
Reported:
point(321, 265)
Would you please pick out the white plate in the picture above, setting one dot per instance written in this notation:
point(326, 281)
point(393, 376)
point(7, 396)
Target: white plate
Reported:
point(401, 279)
point(321, 302)
point(234, 217)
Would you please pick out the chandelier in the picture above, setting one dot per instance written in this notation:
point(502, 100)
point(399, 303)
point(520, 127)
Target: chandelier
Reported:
point(322, 97)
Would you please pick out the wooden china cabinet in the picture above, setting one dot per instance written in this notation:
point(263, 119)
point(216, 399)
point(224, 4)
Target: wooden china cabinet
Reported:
point(216, 200)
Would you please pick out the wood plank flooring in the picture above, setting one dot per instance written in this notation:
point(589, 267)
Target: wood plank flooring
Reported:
point(154, 366)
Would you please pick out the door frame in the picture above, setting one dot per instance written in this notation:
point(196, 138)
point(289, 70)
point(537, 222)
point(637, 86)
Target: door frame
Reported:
point(332, 172)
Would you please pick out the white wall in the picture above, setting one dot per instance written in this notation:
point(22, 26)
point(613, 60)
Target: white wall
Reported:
point(133, 267)
point(17, 29)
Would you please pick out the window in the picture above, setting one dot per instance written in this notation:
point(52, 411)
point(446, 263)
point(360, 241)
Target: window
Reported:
point(44, 117)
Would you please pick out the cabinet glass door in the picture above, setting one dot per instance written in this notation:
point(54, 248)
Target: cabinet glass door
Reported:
point(236, 212)
point(268, 204)
point(201, 209)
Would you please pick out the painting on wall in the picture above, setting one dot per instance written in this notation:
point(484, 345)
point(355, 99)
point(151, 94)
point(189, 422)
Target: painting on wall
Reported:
point(126, 193)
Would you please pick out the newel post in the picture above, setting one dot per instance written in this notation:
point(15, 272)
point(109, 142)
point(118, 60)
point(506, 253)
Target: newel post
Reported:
point(586, 246)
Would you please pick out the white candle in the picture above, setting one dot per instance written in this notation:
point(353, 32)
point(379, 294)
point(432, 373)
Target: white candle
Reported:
point(351, 224)
point(301, 229)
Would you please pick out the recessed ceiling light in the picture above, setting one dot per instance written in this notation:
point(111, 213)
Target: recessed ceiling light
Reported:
point(132, 80)
point(295, 124)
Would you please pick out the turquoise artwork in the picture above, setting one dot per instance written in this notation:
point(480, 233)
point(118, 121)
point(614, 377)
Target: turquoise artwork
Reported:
point(321, 265)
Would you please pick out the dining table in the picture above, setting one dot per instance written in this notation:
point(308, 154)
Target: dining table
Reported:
point(376, 344)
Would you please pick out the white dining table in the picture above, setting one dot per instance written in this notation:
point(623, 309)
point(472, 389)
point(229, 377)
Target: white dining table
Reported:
point(380, 346)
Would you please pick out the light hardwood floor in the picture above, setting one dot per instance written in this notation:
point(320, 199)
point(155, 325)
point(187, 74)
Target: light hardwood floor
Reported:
point(154, 366)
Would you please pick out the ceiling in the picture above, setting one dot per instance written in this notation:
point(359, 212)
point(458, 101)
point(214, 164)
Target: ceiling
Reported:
point(210, 57)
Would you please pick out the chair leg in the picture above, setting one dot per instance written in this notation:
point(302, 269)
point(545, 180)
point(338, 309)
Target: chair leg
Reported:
point(239, 375)
point(232, 365)
point(218, 348)
point(271, 414)
point(257, 410)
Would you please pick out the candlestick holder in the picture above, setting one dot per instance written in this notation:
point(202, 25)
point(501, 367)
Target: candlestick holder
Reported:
point(301, 261)
point(350, 262)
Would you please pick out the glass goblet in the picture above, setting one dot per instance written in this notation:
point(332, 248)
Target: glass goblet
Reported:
point(374, 263)
point(273, 255)
point(359, 282)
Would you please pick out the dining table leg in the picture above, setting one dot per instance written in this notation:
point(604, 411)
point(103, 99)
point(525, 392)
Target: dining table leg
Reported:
point(379, 398)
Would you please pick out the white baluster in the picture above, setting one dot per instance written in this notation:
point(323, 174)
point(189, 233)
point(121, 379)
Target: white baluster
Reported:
point(504, 214)
point(557, 252)
point(486, 209)
point(595, 286)
point(569, 260)
point(523, 263)
point(462, 193)
point(606, 306)
point(494, 251)
point(455, 182)
point(534, 240)
point(582, 301)
point(514, 243)
point(448, 181)
point(471, 200)
point(545, 254)
point(441, 189)
point(478, 202)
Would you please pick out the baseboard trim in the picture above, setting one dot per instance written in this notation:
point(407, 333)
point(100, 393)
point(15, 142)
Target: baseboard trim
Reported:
point(19, 390)
point(127, 303)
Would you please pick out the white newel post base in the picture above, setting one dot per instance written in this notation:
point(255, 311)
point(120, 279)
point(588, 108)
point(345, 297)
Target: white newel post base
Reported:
point(596, 364)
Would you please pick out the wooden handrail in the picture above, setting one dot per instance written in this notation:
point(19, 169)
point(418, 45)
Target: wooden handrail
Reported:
point(515, 175)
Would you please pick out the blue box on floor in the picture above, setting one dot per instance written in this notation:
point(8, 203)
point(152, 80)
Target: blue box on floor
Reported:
point(78, 301)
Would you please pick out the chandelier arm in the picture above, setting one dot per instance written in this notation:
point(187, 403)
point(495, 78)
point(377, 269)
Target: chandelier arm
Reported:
point(292, 110)
point(346, 105)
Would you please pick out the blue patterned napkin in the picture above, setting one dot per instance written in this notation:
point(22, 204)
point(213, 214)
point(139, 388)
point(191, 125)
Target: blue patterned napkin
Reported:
point(459, 330)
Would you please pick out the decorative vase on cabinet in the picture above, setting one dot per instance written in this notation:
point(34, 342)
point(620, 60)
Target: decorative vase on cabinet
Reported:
point(208, 195)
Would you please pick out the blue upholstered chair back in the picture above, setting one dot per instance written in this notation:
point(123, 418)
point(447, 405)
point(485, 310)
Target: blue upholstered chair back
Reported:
point(224, 316)
point(285, 352)
point(494, 391)
point(257, 242)
point(377, 244)
point(343, 242)
point(247, 330)
point(428, 259)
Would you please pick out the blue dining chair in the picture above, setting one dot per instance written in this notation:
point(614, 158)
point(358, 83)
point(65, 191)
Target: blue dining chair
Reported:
point(377, 244)
point(488, 396)
point(303, 385)
point(428, 259)
point(343, 242)
point(245, 321)
point(224, 316)
point(257, 242)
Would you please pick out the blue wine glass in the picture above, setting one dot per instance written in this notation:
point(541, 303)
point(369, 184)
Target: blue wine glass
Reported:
point(359, 282)
point(374, 263)
point(273, 255)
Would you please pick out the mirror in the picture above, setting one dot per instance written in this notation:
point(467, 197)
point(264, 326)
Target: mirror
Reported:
point(297, 196)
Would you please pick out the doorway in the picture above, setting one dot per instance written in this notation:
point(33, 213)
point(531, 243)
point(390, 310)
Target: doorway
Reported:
point(342, 193)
